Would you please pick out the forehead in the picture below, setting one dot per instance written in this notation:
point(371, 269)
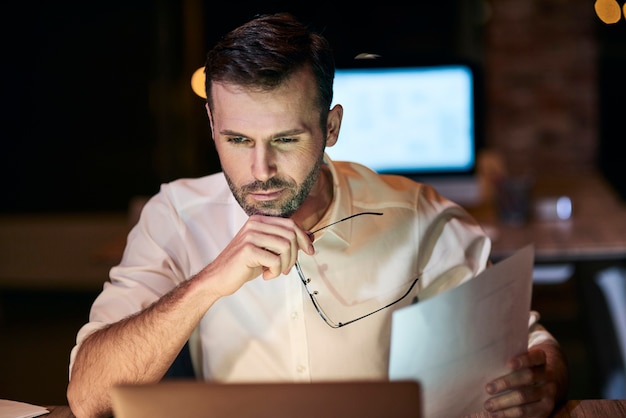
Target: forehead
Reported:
point(298, 92)
point(254, 113)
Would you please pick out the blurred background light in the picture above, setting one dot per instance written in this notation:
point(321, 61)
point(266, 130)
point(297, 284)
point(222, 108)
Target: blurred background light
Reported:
point(608, 10)
point(197, 82)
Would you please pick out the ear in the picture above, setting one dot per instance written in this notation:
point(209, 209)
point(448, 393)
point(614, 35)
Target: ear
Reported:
point(208, 112)
point(333, 124)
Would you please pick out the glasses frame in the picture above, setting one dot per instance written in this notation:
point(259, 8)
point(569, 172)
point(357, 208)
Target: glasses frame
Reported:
point(312, 294)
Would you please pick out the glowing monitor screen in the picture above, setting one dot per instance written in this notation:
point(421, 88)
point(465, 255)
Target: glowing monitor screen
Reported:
point(407, 120)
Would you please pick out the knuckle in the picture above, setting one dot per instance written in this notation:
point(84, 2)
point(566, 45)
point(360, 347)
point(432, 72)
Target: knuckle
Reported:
point(525, 377)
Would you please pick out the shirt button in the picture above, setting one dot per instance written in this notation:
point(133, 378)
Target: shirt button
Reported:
point(300, 369)
point(294, 315)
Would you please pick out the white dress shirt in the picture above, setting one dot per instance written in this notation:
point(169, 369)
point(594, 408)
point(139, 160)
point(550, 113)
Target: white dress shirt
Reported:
point(270, 330)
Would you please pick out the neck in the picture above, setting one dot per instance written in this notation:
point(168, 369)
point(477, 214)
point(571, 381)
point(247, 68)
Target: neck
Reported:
point(318, 201)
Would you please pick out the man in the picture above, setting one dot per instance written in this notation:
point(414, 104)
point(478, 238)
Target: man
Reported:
point(282, 267)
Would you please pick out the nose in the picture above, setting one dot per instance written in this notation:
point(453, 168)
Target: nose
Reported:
point(263, 163)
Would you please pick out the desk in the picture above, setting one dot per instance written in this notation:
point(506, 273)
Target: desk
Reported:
point(60, 251)
point(596, 231)
point(572, 409)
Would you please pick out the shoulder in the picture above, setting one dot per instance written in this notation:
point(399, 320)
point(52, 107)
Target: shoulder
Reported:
point(189, 197)
point(364, 183)
point(410, 200)
point(212, 187)
point(187, 192)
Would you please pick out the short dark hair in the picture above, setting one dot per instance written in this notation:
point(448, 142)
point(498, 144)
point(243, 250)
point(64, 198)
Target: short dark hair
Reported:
point(267, 50)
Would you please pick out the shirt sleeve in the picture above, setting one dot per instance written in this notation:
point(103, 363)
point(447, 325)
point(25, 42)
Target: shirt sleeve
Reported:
point(453, 248)
point(537, 333)
point(146, 271)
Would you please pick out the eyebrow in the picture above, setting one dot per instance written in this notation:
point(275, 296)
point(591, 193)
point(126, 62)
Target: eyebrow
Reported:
point(289, 132)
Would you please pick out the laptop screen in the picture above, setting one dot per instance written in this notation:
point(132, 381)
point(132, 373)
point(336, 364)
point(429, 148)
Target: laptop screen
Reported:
point(409, 120)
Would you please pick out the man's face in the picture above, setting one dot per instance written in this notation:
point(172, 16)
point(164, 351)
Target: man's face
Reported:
point(270, 143)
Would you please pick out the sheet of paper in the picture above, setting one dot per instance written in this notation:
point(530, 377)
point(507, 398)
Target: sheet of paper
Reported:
point(14, 409)
point(457, 341)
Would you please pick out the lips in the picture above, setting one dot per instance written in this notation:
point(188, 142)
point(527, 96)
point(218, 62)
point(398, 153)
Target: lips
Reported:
point(266, 195)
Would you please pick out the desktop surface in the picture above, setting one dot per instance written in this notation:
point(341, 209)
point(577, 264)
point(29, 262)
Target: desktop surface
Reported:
point(586, 408)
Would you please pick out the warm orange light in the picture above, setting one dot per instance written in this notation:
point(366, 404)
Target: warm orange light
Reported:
point(197, 82)
point(608, 10)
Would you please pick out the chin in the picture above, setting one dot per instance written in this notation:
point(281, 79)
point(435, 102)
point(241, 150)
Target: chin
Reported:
point(264, 210)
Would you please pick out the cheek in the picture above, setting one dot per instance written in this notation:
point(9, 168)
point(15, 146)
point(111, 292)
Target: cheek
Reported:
point(297, 168)
point(234, 165)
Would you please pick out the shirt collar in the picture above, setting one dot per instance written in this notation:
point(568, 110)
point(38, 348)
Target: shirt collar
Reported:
point(340, 207)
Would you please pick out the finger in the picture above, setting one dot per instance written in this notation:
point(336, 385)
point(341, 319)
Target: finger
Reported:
point(526, 377)
point(290, 242)
point(532, 358)
point(273, 255)
point(514, 399)
point(508, 382)
point(240, 262)
point(278, 254)
point(284, 238)
point(304, 240)
point(281, 237)
point(533, 405)
point(300, 239)
point(256, 249)
point(271, 226)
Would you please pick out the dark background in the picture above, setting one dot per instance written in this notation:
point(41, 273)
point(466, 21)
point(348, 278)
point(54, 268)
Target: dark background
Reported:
point(93, 93)
point(96, 104)
point(612, 107)
point(76, 129)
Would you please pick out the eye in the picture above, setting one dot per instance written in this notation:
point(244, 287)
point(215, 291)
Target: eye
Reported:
point(285, 140)
point(238, 140)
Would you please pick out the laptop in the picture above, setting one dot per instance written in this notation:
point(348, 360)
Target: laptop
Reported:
point(198, 399)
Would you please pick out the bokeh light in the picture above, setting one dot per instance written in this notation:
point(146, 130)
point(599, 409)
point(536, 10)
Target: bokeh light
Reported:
point(197, 82)
point(608, 11)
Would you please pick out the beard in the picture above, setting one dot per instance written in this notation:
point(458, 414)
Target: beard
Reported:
point(287, 205)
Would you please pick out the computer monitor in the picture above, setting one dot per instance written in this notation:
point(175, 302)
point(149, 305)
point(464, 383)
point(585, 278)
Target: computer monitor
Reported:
point(415, 120)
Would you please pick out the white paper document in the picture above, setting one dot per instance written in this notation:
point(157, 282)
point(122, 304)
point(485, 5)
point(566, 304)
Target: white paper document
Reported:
point(456, 342)
point(14, 409)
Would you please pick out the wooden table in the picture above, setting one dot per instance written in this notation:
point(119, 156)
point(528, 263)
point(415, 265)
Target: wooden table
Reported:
point(596, 230)
point(590, 408)
point(60, 251)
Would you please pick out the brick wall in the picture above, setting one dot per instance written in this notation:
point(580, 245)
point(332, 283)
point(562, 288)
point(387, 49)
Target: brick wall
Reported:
point(540, 64)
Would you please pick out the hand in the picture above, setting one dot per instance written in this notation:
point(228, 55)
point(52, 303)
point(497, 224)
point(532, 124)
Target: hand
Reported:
point(536, 384)
point(265, 245)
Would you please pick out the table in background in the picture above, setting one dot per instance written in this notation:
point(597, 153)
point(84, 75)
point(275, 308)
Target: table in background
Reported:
point(596, 230)
point(590, 408)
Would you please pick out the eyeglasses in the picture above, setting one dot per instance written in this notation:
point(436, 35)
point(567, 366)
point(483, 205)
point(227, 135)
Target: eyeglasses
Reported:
point(313, 294)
